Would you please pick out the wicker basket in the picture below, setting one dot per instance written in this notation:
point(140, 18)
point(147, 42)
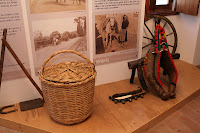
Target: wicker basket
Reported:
point(68, 89)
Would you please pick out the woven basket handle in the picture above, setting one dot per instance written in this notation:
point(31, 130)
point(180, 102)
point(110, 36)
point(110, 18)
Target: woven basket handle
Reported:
point(68, 51)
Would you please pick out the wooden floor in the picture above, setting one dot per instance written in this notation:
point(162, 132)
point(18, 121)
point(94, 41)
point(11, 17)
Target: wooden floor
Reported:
point(8, 130)
point(185, 120)
point(137, 116)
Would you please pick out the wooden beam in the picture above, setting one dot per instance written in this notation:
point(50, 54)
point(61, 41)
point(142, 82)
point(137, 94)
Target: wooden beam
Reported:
point(146, 10)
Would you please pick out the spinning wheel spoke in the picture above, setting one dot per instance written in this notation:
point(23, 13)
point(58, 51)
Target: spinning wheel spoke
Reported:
point(170, 34)
point(155, 22)
point(147, 45)
point(148, 38)
point(164, 24)
point(148, 30)
point(170, 45)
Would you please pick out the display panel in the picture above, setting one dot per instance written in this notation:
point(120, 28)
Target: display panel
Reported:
point(116, 30)
point(57, 25)
point(11, 18)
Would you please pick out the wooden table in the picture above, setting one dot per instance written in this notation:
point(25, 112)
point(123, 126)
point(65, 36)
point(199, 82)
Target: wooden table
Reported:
point(135, 116)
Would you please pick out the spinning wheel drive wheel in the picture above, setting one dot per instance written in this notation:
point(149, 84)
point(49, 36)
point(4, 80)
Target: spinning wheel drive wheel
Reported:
point(149, 34)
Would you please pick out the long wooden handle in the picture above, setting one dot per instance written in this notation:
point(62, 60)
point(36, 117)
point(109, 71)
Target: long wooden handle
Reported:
point(2, 55)
point(22, 66)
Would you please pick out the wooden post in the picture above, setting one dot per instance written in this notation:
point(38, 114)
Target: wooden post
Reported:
point(2, 55)
point(146, 10)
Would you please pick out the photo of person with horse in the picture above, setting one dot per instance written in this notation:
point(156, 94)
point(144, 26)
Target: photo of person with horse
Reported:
point(118, 32)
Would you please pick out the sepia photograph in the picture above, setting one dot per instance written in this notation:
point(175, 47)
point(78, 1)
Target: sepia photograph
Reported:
point(46, 6)
point(116, 32)
point(50, 36)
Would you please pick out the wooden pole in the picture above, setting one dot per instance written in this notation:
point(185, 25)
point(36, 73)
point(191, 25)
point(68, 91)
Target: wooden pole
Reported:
point(22, 66)
point(146, 10)
point(2, 55)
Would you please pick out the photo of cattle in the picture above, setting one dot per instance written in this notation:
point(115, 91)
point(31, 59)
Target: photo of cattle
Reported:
point(53, 35)
point(46, 6)
point(116, 32)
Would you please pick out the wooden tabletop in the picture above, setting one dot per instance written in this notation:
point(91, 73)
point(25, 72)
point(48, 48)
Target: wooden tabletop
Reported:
point(135, 116)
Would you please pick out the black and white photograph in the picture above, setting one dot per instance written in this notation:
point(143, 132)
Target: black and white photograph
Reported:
point(50, 36)
point(116, 32)
point(46, 6)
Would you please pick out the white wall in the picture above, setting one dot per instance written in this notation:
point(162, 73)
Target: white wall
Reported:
point(196, 61)
point(187, 27)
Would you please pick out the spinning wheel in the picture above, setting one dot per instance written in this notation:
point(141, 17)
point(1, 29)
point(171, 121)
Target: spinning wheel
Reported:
point(149, 38)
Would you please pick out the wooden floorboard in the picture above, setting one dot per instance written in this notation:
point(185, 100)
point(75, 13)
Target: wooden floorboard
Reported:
point(137, 116)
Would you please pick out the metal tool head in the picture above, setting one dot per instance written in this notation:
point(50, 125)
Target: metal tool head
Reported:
point(32, 104)
point(6, 107)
